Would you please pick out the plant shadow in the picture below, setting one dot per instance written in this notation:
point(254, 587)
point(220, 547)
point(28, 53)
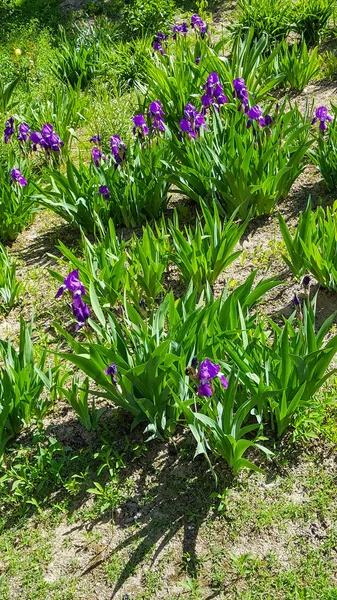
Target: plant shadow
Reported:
point(171, 494)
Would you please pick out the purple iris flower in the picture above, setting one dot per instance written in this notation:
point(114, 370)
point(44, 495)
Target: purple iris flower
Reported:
point(213, 93)
point(183, 28)
point(192, 123)
point(9, 129)
point(212, 79)
point(268, 120)
point(240, 92)
point(198, 24)
point(322, 116)
point(51, 140)
point(255, 114)
point(206, 101)
point(97, 156)
point(158, 124)
point(186, 127)
point(306, 281)
point(47, 139)
point(190, 111)
point(221, 99)
point(95, 139)
point(139, 126)
point(36, 139)
point(23, 132)
point(207, 372)
point(118, 149)
point(104, 190)
point(157, 47)
point(73, 284)
point(296, 300)
point(199, 121)
point(196, 21)
point(156, 113)
point(16, 175)
point(81, 311)
point(112, 371)
point(197, 60)
point(160, 37)
point(155, 109)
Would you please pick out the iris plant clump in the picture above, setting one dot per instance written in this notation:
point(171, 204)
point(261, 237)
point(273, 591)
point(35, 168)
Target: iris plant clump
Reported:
point(47, 138)
point(198, 25)
point(324, 153)
point(80, 310)
point(214, 96)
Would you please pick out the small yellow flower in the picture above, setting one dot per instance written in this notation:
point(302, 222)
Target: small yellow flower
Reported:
point(17, 51)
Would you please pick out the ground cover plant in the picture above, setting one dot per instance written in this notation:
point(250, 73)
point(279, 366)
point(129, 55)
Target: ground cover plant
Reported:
point(313, 246)
point(167, 301)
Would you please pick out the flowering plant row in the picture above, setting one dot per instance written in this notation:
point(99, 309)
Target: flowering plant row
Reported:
point(222, 370)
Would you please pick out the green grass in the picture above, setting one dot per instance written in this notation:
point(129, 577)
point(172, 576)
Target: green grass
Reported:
point(274, 536)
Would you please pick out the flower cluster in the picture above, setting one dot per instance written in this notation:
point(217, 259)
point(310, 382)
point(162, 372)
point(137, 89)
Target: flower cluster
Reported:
point(322, 116)
point(157, 42)
point(192, 122)
point(46, 139)
point(255, 115)
point(80, 310)
point(104, 190)
point(118, 149)
point(205, 374)
point(24, 132)
point(241, 93)
point(9, 129)
point(156, 113)
point(98, 157)
point(95, 139)
point(213, 93)
point(111, 372)
point(155, 116)
point(16, 176)
point(140, 127)
point(199, 25)
point(183, 29)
